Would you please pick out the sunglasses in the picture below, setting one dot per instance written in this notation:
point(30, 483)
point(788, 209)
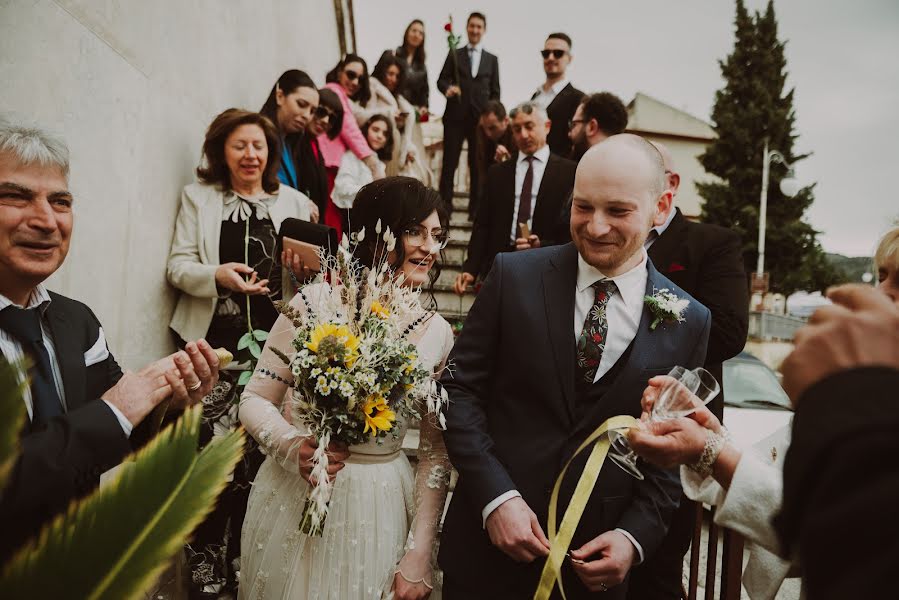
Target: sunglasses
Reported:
point(322, 113)
point(352, 75)
point(557, 54)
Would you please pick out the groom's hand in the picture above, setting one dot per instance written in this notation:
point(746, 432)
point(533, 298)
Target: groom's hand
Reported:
point(616, 555)
point(513, 528)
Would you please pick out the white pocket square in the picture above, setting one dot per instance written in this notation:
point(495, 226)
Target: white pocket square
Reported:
point(98, 352)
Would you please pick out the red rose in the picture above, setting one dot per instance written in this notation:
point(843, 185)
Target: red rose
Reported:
point(592, 362)
point(602, 296)
point(448, 27)
point(597, 338)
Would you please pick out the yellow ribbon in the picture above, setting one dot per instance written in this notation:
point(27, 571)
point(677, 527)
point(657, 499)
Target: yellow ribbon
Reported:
point(552, 569)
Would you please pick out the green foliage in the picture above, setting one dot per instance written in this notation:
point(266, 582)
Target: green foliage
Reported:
point(115, 543)
point(751, 107)
point(12, 415)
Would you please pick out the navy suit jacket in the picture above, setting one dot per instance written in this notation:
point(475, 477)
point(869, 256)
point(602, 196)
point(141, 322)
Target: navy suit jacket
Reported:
point(512, 421)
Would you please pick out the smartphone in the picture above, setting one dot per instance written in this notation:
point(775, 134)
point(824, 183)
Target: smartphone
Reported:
point(307, 252)
point(524, 231)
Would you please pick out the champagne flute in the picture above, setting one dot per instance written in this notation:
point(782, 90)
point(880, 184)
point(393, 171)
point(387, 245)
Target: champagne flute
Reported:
point(680, 395)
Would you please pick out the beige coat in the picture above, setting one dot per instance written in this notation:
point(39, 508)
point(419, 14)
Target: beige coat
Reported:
point(194, 257)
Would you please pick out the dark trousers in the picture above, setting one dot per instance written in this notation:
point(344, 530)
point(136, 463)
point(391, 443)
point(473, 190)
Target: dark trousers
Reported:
point(454, 134)
point(660, 577)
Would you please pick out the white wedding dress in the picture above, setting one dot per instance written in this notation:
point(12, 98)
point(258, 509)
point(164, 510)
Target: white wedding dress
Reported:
point(378, 511)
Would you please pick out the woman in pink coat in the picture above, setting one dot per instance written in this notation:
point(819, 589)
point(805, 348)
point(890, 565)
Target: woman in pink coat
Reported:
point(349, 80)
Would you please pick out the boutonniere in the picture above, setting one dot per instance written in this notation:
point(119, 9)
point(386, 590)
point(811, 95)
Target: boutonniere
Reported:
point(665, 306)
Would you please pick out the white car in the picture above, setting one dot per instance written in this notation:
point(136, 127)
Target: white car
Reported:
point(755, 404)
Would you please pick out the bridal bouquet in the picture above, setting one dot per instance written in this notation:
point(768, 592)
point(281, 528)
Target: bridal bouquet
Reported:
point(355, 370)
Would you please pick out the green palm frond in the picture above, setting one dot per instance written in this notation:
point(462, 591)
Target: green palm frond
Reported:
point(12, 416)
point(115, 543)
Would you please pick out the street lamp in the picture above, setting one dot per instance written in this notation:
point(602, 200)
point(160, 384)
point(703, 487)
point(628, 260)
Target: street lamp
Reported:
point(789, 186)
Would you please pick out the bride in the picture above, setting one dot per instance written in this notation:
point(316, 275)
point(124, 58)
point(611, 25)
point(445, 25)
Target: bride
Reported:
point(380, 534)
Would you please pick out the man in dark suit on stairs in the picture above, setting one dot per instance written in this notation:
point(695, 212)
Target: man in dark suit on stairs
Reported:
point(83, 412)
point(531, 190)
point(707, 262)
point(469, 79)
point(557, 96)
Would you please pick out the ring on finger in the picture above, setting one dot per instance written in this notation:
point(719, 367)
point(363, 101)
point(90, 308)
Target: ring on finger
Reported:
point(603, 587)
point(195, 386)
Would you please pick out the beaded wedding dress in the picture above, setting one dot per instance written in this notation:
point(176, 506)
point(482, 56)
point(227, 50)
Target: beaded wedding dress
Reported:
point(380, 512)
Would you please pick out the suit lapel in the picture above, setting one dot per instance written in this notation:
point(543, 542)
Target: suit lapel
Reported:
point(464, 64)
point(558, 293)
point(69, 355)
point(559, 98)
point(506, 207)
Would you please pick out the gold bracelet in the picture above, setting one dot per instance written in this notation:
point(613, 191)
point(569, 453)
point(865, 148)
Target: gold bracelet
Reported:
point(714, 443)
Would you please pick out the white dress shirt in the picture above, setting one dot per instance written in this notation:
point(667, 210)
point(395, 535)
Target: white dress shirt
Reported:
point(474, 55)
point(623, 311)
point(541, 157)
point(544, 98)
point(12, 352)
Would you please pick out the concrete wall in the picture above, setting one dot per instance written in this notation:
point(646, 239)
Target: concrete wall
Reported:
point(132, 86)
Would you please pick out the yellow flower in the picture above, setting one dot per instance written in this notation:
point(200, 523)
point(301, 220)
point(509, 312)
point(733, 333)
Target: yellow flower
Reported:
point(378, 309)
point(331, 340)
point(410, 366)
point(377, 415)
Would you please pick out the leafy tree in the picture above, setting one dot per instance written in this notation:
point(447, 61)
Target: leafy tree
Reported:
point(752, 107)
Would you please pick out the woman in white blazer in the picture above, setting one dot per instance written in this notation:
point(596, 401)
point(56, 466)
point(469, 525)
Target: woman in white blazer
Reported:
point(226, 261)
point(353, 173)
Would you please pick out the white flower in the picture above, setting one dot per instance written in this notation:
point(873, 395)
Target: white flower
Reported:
point(666, 306)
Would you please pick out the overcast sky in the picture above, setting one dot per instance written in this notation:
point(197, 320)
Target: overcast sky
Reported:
point(841, 57)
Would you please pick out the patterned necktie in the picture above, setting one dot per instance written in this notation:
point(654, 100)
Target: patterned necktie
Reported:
point(524, 200)
point(25, 326)
point(592, 341)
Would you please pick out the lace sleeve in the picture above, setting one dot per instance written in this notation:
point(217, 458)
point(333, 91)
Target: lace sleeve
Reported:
point(262, 402)
point(431, 486)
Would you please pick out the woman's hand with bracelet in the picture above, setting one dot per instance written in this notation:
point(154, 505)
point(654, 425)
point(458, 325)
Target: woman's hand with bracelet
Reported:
point(413, 579)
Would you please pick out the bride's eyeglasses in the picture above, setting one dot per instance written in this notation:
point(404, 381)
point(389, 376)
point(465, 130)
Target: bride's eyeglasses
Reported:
point(418, 236)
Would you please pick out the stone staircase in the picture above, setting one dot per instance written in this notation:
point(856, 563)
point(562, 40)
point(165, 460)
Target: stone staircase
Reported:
point(453, 307)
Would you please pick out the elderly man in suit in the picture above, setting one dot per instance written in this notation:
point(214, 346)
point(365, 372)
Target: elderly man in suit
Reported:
point(707, 261)
point(558, 341)
point(82, 409)
point(557, 96)
point(469, 79)
point(527, 193)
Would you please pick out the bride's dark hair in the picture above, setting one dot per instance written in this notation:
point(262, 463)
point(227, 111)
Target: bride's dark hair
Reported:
point(399, 203)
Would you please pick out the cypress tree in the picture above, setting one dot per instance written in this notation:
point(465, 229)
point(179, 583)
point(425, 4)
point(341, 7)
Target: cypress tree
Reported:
point(752, 107)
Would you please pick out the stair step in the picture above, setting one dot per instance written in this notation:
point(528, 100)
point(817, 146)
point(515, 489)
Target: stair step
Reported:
point(449, 301)
point(460, 219)
point(460, 203)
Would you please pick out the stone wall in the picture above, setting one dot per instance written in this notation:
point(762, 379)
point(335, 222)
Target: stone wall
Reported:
point(132, 85)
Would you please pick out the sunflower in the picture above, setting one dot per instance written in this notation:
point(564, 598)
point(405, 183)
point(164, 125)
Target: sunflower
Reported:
point(377, 415)
point(334, 342)
point(379, 309)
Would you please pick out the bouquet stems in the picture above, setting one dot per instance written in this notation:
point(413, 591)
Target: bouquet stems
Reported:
point(311, 522)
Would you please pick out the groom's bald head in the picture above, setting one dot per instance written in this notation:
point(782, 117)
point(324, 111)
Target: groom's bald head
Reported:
point(620, 193)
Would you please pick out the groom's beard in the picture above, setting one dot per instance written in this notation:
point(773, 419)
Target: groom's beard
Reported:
point(611, 251)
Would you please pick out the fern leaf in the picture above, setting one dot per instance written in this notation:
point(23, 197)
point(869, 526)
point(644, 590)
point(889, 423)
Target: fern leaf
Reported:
point(12, 416)
point(115, 543)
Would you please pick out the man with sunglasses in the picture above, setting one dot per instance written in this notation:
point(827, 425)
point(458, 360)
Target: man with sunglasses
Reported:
point(469, 79)
point(557, 96)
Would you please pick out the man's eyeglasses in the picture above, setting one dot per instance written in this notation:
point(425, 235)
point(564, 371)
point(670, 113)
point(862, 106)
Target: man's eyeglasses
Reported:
point(573, 122)
point(418, 236)
point(352, 75)
point(322, 113)
point(557, 54)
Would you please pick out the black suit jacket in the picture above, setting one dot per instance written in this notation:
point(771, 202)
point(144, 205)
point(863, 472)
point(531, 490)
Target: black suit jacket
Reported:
point(493, 223)
point(476, 91)
point(513, 420)
point(560, 111)
point(64, 460)
point(841, 484)
point(707, 261)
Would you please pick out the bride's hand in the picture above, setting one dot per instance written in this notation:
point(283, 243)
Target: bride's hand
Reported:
point(410, 577)
point(337, 453)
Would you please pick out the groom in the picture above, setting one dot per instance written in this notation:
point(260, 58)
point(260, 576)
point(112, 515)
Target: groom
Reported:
point(557, 342)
